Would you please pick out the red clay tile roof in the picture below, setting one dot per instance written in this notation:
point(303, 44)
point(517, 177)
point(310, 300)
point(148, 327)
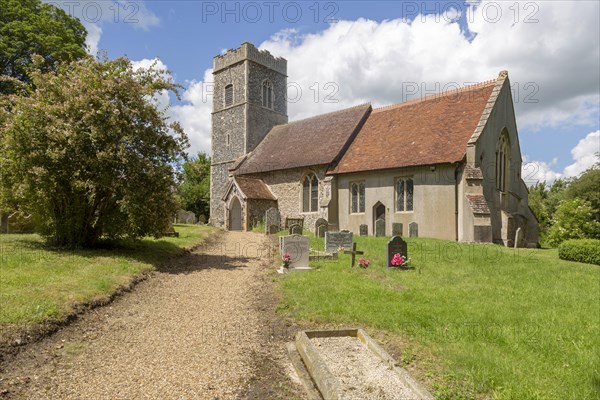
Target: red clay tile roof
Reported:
point(318, 140)
point(254, 188)
point(433, 130)
point(478, 204)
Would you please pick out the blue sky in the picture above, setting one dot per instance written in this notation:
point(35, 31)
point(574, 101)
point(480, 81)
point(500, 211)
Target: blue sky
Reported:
point(370, 49)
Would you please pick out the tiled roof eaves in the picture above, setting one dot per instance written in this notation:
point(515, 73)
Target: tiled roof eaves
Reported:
point(488, 108)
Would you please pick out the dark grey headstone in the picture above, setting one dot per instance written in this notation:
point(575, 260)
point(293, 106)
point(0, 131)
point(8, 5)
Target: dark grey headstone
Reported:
point(272, 218)
point(396, 245)
point(337, 240)
point(321, 226)
point(364, 230)
point(413, 229)
point(397, 229)
point(380, 227)
point(295, 229)
point(272, 229)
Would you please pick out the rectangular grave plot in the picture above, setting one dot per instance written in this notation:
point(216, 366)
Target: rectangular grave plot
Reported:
point(349, 364)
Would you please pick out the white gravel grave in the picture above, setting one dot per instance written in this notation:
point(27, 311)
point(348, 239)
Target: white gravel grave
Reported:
point(361, 374)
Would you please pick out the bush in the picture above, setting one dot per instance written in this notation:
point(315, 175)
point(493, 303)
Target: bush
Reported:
point(573, 219)
point(581, 250)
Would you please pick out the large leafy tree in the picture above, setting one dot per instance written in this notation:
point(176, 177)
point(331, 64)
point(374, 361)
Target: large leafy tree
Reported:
point(587, 187)
point(29, 27)
point(544, 200)
point(89, 154)
point(195, 186)
point(573, 220)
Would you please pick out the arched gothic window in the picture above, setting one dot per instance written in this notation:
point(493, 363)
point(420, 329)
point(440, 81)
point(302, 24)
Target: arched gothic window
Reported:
point(229, 95)
point(267, 94)
point(502, 162)
point(310, 193)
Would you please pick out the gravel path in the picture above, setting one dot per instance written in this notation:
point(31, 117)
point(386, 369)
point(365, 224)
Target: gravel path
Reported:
point(198, 329)
point(362, 375)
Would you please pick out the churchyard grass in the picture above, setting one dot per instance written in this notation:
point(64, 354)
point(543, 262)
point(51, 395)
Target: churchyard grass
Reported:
point(38, 284)
point(497, 322)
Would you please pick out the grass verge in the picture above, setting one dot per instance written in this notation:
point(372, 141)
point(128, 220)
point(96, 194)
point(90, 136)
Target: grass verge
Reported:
point(475, 321)
point(40, 285)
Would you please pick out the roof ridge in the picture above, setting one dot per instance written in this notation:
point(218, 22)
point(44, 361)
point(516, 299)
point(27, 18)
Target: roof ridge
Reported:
point(326, 114)
point(434, 96)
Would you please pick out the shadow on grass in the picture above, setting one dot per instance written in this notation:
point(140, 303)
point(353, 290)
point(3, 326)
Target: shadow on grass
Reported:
point(163, 255)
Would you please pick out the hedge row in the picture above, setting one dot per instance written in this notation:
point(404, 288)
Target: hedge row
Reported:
point(581, 250)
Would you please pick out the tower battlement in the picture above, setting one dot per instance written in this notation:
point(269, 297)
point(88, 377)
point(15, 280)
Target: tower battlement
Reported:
point(247, 51)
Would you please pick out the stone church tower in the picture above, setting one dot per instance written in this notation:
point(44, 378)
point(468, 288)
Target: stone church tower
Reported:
point(249, 98)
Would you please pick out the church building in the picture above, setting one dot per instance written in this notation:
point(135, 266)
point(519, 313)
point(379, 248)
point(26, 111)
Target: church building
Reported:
point(448, 165)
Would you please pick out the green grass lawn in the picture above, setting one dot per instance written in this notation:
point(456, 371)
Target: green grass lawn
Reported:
point(498, 323)
point(38, 284)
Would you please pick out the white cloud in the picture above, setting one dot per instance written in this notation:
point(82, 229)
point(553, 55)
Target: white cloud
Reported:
point(92, 40)
point(371, 61)
point(585, 155)
point(552, 64)
point(195, 114)
point(161, 99)
point(534, 172)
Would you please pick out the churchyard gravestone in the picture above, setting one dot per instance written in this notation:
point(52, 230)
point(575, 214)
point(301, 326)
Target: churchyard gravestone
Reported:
point(272, 218)
point(380, 227)
point(337, 240)
point(397, 229)
point(354, 253)
point(294, 221)
point(297, 247)
point(171, 232)
point(201, 219)
point(396, 245)
point(518, 237)
point(272, 229)
point(186, 217)
point(295, 229)
point(364, 230)
point(413, 229)
point(321, 226)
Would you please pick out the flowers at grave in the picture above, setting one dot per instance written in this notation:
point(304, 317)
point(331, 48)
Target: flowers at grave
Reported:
point(287, 259)
point(363, 262)
point(399, 261)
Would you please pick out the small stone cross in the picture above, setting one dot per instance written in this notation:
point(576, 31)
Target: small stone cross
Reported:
point(354, 252)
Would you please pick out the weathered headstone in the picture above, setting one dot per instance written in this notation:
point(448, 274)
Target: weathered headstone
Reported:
point(272, 229)
point(272, 217)
point(321, 226)
point(201, 219)
point(380, 227)
point(292, 221)
point(396, 245)
point(397, 229)
point(297, 247)
point(336, 240)
point(363, 230)
point(295, 230)
point(518, 237)
point(413, 229)
point(186, 217)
